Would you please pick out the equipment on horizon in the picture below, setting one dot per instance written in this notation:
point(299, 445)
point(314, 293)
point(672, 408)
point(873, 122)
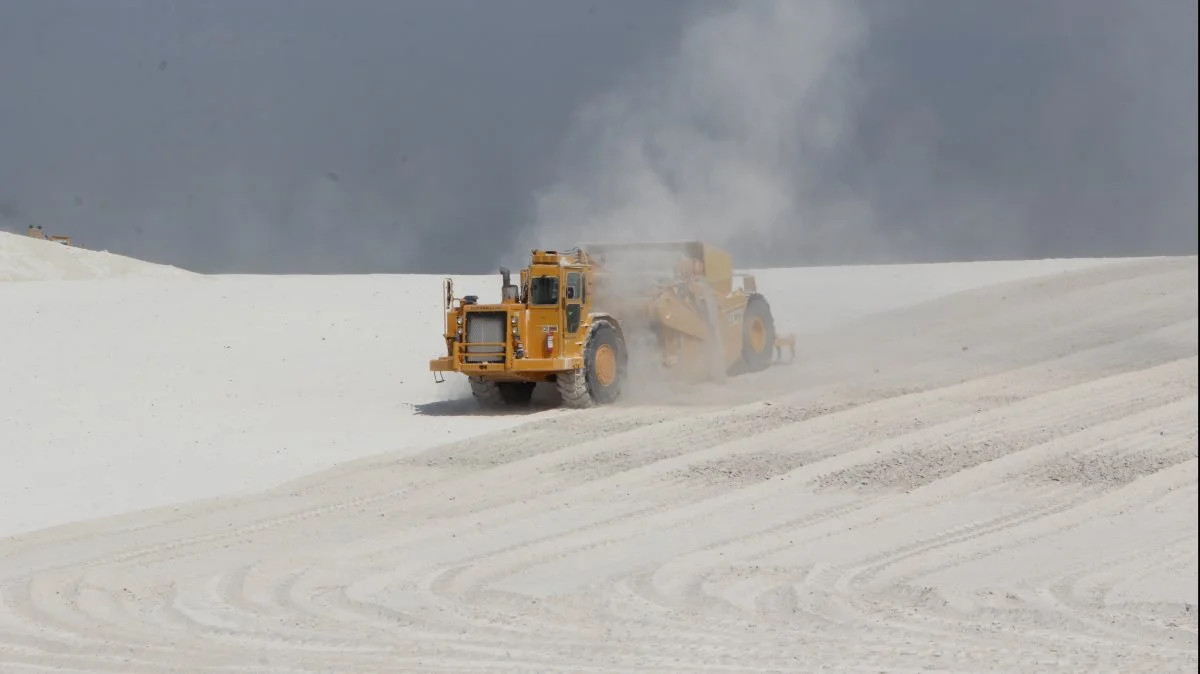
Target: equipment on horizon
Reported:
point(36, 232)
point(578, 316)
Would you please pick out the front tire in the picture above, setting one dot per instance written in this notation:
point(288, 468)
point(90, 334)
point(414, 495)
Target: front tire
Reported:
point(500, 394)
point(600, 379)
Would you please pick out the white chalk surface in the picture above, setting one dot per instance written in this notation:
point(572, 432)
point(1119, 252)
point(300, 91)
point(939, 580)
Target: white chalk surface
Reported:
point(969, 467)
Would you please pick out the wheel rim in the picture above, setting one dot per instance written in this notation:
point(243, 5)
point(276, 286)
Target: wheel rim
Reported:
point(758, 334)
point(606, 365)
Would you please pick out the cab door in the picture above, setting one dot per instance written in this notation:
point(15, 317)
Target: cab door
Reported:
point(573, 302)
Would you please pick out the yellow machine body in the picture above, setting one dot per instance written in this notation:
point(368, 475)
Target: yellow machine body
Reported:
point(574, 316)
point(534, 332)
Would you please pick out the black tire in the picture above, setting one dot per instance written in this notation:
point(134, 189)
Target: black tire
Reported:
point(757, 309)
point(583, 388)
point(498, 394)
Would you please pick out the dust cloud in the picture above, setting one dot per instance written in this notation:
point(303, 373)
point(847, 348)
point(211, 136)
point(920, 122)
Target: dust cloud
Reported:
point(715, 142)
point(833, 131)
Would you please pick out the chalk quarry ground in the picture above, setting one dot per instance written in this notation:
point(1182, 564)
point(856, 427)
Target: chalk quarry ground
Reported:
point(984, 467)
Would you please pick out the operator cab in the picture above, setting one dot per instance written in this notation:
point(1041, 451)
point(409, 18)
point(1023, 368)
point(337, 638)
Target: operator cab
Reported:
point(554, 279)
point(549, 285)
point(546, 288)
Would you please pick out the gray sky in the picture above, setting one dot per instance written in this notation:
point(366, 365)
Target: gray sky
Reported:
point(451, 136)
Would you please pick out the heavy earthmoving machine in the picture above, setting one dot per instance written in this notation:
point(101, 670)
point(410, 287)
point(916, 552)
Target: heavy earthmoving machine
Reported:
point(575, 318)
point(35, 231)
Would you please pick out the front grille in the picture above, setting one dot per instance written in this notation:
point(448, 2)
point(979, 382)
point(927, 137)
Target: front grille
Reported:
point(485, 336)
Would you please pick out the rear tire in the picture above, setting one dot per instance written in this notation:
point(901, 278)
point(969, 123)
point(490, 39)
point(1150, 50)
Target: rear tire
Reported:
point(599, 381)
point(758, 334)
point(500, 394)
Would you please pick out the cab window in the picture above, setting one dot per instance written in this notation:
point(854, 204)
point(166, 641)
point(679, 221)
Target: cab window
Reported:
point(574, 286)
point(543, 290)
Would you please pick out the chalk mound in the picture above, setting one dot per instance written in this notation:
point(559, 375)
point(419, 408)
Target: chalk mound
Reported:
point(978, 463)
point(24, 258)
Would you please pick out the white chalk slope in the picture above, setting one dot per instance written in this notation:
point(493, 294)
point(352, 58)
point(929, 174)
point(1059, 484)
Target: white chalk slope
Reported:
point(23, 258)
point(970, 467)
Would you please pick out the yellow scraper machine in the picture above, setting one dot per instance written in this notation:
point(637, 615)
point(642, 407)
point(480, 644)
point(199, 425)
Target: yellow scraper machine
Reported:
point(574, 317)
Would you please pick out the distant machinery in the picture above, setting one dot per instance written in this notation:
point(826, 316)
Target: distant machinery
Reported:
point(36, 232)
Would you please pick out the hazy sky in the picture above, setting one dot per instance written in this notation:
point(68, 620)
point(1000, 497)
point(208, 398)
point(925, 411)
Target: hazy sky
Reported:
point(451, 136)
